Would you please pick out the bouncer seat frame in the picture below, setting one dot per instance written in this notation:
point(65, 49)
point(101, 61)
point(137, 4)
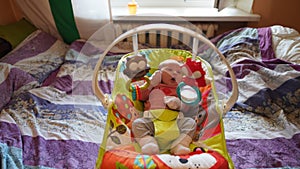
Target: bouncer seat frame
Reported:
point(125, 155)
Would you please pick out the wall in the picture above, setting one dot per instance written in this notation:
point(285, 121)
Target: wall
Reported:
point(274, 12)
point(9, 12)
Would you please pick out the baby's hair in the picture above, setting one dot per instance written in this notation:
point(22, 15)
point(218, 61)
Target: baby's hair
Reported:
point(168, 61)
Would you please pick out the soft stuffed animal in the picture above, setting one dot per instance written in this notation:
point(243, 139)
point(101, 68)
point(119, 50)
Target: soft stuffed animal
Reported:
point(194, 73)
point(136, 67)
point(161, 129)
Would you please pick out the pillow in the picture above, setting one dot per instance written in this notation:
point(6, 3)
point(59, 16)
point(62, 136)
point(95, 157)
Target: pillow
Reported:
point(13, 81)
point(5, 47)
point(16, 32)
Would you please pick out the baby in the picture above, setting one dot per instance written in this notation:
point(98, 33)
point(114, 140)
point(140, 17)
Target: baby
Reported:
point(161, 128)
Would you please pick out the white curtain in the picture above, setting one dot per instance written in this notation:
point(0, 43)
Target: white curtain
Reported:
point(39, 13)
point(90, 15)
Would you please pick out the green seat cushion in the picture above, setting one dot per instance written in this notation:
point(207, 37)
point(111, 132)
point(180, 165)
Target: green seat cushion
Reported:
point(16, 32)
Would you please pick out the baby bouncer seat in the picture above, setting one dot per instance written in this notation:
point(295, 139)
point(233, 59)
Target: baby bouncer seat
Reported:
point(207, 102)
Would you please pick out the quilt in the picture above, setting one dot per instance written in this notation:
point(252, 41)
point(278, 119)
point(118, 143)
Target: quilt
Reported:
point(50, 117)
point(263, 128)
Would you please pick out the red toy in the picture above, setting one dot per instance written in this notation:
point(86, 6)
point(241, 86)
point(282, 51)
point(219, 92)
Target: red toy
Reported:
point(194, 73)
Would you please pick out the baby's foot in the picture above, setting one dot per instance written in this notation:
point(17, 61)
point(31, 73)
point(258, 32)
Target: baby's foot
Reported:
point(179, 149)
point(150, 149)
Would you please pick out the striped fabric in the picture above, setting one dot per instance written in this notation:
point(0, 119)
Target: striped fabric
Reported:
point(66, 19)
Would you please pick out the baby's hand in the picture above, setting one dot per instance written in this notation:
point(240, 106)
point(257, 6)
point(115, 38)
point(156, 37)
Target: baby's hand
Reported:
point(172, 102)
point(155, 79)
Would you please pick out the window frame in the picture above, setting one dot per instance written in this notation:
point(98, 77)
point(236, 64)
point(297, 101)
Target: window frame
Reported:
point(223, 11)
point(166, 3)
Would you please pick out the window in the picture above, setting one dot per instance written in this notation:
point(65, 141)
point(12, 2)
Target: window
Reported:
point(167, 3)
point(191, 10)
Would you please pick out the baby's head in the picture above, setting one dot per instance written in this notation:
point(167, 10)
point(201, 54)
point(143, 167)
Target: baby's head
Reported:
point(171, 72)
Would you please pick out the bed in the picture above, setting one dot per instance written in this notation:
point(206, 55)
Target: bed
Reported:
point(262, 130)
point(50, 117)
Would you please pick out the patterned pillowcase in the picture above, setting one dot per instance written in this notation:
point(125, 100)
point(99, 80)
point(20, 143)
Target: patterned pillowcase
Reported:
point(16, 32)
point(39, 54)
point(13, 81)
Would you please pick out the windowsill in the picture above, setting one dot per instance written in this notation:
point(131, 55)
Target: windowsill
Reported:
point(185, 14)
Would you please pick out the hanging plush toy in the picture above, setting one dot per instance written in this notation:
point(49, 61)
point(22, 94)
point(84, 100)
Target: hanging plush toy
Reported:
point(136, 67)
point(194, 73)
point(196, 81)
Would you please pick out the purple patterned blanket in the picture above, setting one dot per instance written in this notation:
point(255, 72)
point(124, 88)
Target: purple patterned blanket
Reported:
point(263, 128)
point(51, 119)
point(49, 116)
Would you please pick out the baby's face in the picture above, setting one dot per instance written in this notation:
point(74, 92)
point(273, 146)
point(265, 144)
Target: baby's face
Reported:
point(171, 74)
